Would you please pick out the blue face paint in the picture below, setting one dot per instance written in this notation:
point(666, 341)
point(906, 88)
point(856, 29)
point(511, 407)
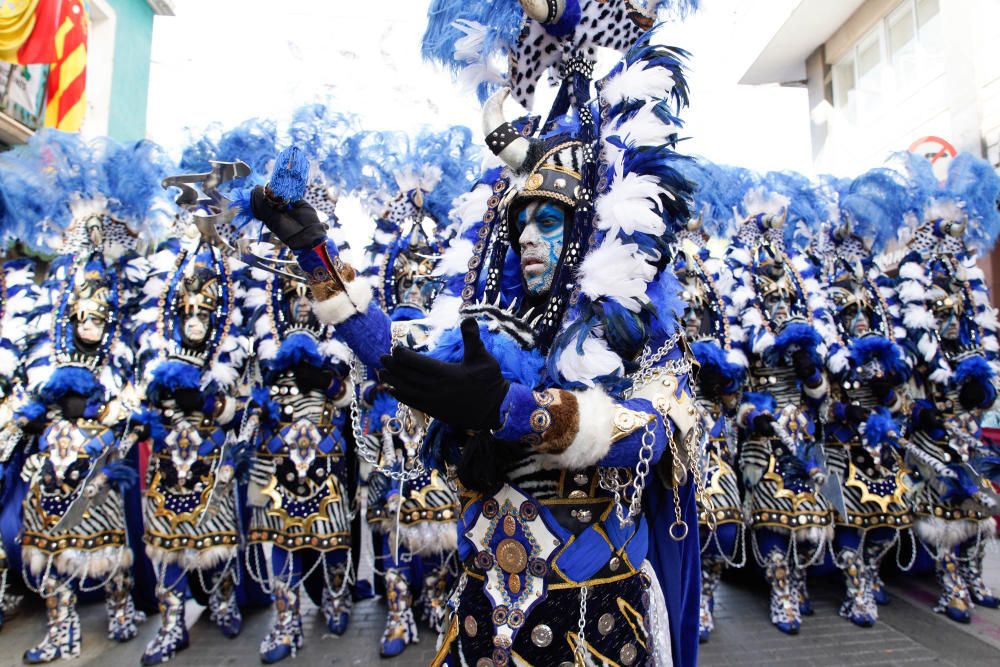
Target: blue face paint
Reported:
point(541, 240)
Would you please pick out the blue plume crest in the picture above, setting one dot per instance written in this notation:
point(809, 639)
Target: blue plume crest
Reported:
point(715, 194)
point(70, 161)
point(32, 209)
point(974, 183)
point(254, 141)
point(808, 209)
point(133, 176)
point(875, 203)
point(922, 186)
point(473, 35)
point(310, 130)
point(196, 155)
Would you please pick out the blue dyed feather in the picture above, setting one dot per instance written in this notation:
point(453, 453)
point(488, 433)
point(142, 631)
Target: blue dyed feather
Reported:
point(958, 488)
point(976, 186)
point(270, 410)
point(71, 379)
point(795, 335)
point(975, 369)
point(121, 475)
point(881, 428)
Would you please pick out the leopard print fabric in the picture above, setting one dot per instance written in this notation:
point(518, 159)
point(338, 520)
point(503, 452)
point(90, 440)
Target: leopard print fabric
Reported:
point(318, 196)
point(609, 24)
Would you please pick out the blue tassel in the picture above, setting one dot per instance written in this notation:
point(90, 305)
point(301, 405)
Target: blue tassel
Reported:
point(761, 402)
point(290, 175)
point(795, 335)
point(882, 350)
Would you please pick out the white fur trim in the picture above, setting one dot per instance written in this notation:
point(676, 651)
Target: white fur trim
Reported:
point(342, 306)
point(912, 271)
point(190, 558)
point(593, 437)
point(947, 534)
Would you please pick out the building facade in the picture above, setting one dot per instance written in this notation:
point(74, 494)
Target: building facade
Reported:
point(892, 75)
point(118, 59)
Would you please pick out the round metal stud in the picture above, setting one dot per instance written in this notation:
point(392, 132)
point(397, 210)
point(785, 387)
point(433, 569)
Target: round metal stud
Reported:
point(541, 636)
point(470, 626)
point(484, 662)
point(628, 654)
point(605, 624)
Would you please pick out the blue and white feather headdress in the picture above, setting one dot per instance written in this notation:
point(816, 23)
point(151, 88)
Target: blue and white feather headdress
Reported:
point(763, 241)
point(706, 278)
point(865, 214)
point(959, 220)
point(612, 294)
point(514, 43)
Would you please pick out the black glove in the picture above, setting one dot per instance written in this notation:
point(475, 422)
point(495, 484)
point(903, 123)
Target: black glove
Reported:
point(972, 395)
point(296, 225)
point(802, 362)
point(465, 396)
point(72, 405)
point(711, 382)
point(881, 387)
point(856, 413)
point(928, 420)
point(308, 377)
point(763, 424)
point(189, 400)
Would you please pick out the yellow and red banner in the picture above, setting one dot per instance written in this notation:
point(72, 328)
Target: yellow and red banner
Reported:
point(66, 97)
point(52, 32)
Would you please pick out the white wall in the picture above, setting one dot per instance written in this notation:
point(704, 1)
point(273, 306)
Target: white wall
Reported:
point(100, 66)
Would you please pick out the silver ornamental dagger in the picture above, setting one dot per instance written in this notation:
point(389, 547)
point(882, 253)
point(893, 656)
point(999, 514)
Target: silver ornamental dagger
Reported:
point(211, 210)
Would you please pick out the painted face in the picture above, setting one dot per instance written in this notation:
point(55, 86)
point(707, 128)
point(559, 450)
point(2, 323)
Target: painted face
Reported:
point(196, 328)
point(855, 320)
point(541, 240)
point(415, 285)
point(90, 329)
point(301, 309)
point(948, 325)
point(778, 307)
point(693, 318)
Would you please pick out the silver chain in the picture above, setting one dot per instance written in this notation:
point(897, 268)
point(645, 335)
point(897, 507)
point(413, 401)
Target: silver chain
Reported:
point(650, 367)
point(609, 480)
point(581, 652)
point(403, 417)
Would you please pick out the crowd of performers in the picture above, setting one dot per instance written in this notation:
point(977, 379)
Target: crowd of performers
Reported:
point(580, 378)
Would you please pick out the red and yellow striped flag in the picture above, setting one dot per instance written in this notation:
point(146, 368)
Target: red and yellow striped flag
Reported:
point(66, 94)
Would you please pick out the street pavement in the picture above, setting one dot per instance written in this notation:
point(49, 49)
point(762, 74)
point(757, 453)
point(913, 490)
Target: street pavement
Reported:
point(908, 633)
